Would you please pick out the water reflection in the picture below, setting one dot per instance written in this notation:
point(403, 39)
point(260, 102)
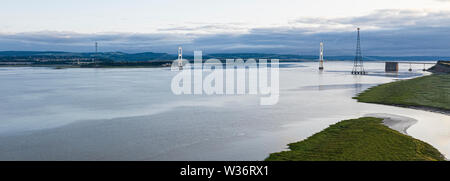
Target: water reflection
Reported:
point(356, 86)
point(131, 114)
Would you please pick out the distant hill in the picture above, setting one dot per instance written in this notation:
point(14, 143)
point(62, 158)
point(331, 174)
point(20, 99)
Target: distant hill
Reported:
point(146, 56)
point(151, 56)
point(313, 57)
point(260, 56)
point(113, 56)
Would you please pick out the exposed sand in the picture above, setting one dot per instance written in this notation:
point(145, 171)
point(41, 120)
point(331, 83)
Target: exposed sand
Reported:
point(396, 122)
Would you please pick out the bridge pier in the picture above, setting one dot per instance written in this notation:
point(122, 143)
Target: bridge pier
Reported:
point(391, 67)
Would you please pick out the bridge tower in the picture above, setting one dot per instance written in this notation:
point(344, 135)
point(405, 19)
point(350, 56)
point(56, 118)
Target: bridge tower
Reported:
point(96, 51)
point(358, 68)
point(96, 47)
point(321, 57)
point(180, 58)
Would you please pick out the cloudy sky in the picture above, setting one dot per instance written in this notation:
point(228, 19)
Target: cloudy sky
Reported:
point(389, 27)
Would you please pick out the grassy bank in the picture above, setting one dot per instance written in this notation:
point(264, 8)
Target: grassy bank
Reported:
point(358, 139)
point(428, 92)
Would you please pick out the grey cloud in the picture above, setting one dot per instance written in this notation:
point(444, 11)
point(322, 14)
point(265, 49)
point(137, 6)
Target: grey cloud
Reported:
point(399, 33)
point(387, 18)
point(70, 41)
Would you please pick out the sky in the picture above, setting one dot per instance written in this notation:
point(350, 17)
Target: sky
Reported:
point(388, 27)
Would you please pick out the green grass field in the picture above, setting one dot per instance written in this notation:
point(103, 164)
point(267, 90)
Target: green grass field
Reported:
point(429, 91)
point(363, 139)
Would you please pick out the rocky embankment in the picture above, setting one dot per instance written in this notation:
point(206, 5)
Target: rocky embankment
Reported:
point(441, 67)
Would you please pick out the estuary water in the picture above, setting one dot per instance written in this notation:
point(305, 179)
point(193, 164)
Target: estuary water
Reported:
point(132, 114)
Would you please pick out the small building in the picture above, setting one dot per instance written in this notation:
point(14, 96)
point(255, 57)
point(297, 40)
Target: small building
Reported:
point(391, 67)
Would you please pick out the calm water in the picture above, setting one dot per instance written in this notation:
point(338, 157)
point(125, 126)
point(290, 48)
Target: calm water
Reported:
point(131, 114)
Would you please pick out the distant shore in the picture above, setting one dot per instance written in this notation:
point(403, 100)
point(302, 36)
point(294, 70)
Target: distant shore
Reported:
point(97, 65)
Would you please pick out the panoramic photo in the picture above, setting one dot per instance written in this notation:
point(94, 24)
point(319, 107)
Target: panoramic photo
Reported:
point(261, 82)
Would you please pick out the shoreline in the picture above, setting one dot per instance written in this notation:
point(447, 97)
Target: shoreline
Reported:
point(362, 139)
point(77, 66)
point(401, 124)
point(426, 93)
point(421, 108)
point(395, 122)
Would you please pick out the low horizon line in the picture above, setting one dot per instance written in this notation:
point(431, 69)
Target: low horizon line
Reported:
point(54, 51)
